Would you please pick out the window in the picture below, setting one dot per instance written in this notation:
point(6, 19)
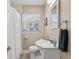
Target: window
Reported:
point(54, 16)
point(31, 22)
point(54, 21)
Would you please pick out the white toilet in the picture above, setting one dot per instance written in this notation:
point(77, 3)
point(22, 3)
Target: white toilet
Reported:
point(34, 51)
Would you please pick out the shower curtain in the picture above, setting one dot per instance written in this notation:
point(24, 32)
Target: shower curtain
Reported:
point(14, 33)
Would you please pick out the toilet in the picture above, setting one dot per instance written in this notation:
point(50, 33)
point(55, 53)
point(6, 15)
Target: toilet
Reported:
point(34, 50)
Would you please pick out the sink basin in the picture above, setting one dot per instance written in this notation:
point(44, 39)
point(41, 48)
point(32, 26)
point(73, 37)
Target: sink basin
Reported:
point(44, 43)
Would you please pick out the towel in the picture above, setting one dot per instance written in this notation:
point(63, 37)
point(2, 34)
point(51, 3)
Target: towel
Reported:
point(63, 40)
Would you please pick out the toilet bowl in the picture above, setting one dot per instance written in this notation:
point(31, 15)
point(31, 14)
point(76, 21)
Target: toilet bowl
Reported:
point(34, 51)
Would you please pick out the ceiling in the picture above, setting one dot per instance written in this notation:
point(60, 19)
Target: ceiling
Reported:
point(30, 2)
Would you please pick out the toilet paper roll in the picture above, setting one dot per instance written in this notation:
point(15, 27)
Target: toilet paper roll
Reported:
point(26, 37)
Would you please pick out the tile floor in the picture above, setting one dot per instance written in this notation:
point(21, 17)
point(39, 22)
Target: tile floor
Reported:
point(25, 56)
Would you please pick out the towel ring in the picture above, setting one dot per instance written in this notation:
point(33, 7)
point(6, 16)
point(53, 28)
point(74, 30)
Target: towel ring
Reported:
point(64, 22)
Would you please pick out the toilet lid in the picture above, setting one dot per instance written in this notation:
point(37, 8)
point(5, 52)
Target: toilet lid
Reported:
point(33, 48)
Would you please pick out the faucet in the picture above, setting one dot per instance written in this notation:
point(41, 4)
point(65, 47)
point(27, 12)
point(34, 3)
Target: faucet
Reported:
point(55, 42)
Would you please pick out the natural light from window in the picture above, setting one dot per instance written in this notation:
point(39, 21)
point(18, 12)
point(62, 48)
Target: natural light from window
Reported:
point(31, 22)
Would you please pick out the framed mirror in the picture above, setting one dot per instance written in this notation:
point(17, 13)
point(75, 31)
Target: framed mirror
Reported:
point(54, 14)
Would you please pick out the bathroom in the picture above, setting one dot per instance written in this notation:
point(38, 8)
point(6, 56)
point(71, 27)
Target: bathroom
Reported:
point(23, 34)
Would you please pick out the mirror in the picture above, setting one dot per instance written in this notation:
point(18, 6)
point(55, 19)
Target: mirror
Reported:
point(54, 14)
